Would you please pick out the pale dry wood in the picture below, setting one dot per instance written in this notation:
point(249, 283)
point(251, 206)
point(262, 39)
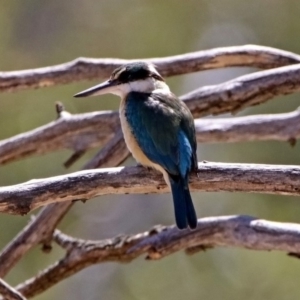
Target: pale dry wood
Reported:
point(256, 56)
point(55, 135)
point(8, 292)
point(82, 132)
point(91, 68)
point(40, 228)
point(36, 231)
point(77, 132)
point(275, 127)
point(213, 177)
point(244, 91)
point(231, 231)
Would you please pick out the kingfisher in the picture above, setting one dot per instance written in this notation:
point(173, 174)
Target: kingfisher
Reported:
point(158, 130)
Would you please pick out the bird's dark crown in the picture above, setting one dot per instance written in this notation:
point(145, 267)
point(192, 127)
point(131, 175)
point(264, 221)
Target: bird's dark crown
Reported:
point(135, 71)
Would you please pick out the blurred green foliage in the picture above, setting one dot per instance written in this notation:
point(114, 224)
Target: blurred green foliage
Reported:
point(38, 33)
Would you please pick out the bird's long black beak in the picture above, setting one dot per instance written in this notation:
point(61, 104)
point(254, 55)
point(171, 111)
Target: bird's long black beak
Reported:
point(100, 89)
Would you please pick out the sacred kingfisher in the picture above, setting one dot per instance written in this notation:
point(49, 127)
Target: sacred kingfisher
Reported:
point(158, 129)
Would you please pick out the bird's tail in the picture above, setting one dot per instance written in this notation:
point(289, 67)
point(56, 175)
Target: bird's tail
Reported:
point(185, 213)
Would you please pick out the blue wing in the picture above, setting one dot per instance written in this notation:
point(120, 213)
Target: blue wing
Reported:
point(164, 130)
point(157, 124)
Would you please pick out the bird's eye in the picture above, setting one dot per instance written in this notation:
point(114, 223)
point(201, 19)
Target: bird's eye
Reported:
point(118, 74)
point(124, 76)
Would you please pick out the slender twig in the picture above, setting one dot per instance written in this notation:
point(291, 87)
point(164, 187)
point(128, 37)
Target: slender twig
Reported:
point(8, 292)
point(271, 179)
point(91, 68)
point(232, 231)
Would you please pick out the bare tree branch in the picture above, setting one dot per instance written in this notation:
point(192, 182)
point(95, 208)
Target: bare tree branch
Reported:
point(232, 231)
point(276, 127)
point(40, 229)
point(225, 97)
point(69, 132)
point(8, 292)
point(244, 91)
point(213, 177)
point(230, 96)
point(37, 230)
point(285, 129)
point(76, 132)
point(92, 68)
point(80, 132)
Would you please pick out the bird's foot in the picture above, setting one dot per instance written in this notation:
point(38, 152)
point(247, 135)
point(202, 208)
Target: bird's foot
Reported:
point(139, 165)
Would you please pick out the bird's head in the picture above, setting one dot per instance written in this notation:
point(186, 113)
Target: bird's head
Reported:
point(133, 77)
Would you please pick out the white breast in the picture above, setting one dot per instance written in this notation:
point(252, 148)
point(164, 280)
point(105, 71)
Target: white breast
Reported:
point(133, 146)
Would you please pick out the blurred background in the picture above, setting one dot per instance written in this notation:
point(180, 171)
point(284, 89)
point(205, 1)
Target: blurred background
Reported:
point(40, 33)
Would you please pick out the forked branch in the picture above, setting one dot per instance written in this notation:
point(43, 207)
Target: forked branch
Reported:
point(233, 231)
point(91, 68)
point(40, 228)
point(8, 292)
point(80, 132)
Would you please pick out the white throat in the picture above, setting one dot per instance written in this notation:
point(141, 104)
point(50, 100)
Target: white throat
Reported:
point(148, 85)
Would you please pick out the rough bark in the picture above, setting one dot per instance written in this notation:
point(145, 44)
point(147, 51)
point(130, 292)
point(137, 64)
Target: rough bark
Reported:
point(8, 292)
point(40, 228)
point(232, 231)
point(91, 68)
point(84, 185)
point(83, 131)
point(239, 93)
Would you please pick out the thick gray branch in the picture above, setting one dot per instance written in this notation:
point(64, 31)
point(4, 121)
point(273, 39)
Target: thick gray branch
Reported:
point(92, 68)
point(248, 90)
point(76, 132)
point(276, 127)
point(8, 292)
point(233, 231)
point(80, 132)
point(85, 131)
point(213, 177)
